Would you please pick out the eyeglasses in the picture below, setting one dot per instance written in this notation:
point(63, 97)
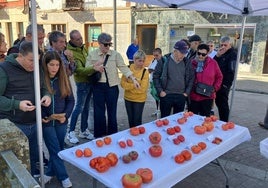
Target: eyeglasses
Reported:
point(107, 44)
point(203, 54)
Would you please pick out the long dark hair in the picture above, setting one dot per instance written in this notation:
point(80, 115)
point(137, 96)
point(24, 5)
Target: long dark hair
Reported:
point(64, 82)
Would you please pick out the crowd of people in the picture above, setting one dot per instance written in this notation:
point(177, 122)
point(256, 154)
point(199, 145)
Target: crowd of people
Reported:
point(174, 80)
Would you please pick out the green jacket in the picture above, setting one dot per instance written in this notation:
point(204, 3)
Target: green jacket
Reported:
point(80, 54)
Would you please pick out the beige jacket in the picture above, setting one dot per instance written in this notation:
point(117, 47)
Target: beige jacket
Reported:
point(115, 62)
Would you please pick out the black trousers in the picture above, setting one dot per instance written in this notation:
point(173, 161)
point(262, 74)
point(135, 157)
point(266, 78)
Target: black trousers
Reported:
point(175, 101)
point(222, 97)
point(202, 108)
point(134, 112)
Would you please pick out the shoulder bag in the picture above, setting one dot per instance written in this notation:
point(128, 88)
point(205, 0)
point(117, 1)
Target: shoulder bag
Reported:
point(96, 76)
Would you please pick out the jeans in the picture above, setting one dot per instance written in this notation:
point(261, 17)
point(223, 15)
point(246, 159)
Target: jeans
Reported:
point(134, 112)
point(175, 101)
point(54, 139)
point(203, 108)
point(84, 93)
point(222, 97)
point(104, 97)
point(31, 132)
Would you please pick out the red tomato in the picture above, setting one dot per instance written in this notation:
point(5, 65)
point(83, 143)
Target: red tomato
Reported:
point(177, 128)
point(171, 131)
point(122, 144)
point(142, 130)
point(155, 150)
point(181, 138)
point(129, 142)
point(179, 158)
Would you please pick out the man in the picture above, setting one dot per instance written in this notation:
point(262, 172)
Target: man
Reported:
point(105, 91)
point(212, 52)
point(17, 96)
point(194, 41)
point(28, 38)
point(173, 80)
point(20, 36)
point(131, 50)
point(57, 41)
point(226, 58)
point(83, 88)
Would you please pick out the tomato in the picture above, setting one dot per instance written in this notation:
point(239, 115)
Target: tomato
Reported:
point(146, 174)
point(186, 114)
point(231, 125)
point(186, 154)
point(171, 131)
point(191, 113)
point(142, 130)
point(203, 145)
point(87, 152)
point(126, 159)
point(179, 158)
point(182, 120)
point(181, 138)
point(196, 149)
point(134, 131)
point(133, 155)
point(99, 143)
point(200, 129)
point(225, 127)
point(79, 153)
point(131, 181)
point(155, 150)
point(122, 144)
point(214, 118)
point(209, 125)
point(207, 119)
point(107, 140)
point(112, 157)
point(102, 165)
point(177, 128)
point(155, 137)
point(129, 142)
point(165, 121)
point(176, 141)
point(159, 123)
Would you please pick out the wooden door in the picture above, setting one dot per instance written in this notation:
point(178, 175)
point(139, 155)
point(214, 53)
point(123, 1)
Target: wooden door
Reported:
point(146, 35)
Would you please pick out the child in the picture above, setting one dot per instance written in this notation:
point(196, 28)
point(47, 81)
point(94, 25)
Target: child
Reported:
point(55, 117)
point(135, 97)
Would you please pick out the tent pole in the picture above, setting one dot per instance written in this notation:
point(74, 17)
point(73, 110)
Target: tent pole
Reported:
point(115, 22)
point(237, 61)
point(37, 89)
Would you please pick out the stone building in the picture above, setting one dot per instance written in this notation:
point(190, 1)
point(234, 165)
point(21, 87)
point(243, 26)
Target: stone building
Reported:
point(154, 26)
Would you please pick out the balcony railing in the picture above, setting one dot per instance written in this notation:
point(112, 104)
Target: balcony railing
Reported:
point(73, 5)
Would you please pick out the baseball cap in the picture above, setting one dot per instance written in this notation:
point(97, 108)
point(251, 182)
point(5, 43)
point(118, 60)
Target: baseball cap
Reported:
point(181, 46)
point(194, 38)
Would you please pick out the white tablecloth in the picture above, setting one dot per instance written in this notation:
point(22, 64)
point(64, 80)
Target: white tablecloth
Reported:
point(166, 172)
point(264, 147)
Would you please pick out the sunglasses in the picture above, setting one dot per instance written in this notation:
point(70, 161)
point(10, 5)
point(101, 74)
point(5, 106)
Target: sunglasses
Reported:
point(203, 54)
point(107, 44)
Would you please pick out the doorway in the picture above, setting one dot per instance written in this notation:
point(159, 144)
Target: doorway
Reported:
point(91, 36)
point(265, 63)
point(147, 39)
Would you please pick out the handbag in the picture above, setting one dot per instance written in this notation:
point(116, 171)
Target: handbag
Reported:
point(96, 76)
point(204, 89)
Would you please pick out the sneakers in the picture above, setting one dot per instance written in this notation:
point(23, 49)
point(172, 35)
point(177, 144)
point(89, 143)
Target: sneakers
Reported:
point(36, 173)
point(262, 125)
point(72, 138)
point(46, 179)
point(86, 134)
point(66, 183)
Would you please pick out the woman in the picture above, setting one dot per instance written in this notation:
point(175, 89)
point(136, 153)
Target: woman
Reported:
point(207, 72)
point(55, 117)
point(3, 47)
point(135, 97)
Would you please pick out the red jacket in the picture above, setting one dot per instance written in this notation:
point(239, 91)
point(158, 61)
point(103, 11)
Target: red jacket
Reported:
point(211, 75)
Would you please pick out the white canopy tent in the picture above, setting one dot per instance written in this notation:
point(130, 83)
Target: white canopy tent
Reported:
point(236, 7)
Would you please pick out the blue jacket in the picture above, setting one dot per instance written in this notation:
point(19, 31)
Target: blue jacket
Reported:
point(58, 105)
point(131, 50)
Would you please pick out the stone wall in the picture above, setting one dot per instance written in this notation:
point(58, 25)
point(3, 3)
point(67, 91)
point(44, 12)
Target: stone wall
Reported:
point(11, 138)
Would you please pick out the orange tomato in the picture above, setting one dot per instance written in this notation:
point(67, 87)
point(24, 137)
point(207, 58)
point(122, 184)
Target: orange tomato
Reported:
point(107, 140)
point(196, 149)
point(87, 152)
point(200, 129)
point(112, 157)
point(179, 158)
point(99, 143)
point(134, 131)
point(186, 154)
point(203, 145)
point(155, 137)
point(79, 153)
point(146, 174)
point(155, 150)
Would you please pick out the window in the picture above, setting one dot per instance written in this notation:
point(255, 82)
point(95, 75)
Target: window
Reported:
point(59, 27)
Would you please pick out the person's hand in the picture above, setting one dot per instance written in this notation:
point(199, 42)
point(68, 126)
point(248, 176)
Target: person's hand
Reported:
point(62, 119)
point(45, 120)
point(221, 51)
point(185, 94)
point(45, 101)
point(136, 84)
point(69, 55)
point(162, 94)
point(98, 66)
point(26, 106)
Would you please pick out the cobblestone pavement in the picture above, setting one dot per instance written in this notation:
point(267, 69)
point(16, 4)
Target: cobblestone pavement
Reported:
point(244, 164)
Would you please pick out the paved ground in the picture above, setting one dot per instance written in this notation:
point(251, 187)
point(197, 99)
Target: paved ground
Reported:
point(245, 165)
